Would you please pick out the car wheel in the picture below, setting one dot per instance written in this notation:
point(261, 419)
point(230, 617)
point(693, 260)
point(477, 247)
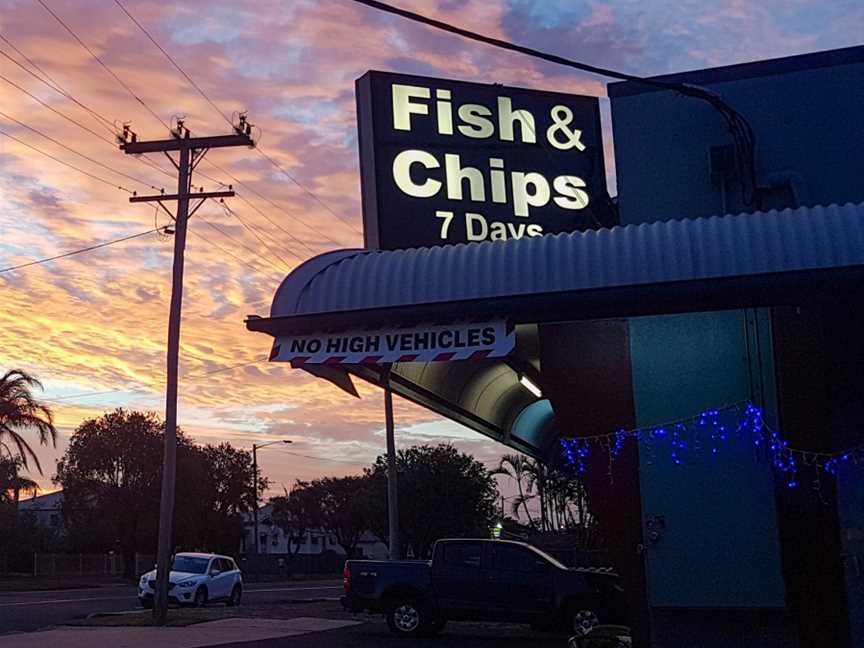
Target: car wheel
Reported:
point(147, 604)
point(200, 599)
point(234, 599)
point(408, 618)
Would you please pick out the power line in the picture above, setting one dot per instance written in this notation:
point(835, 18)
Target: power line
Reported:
point(339, 461)
point(173, 62)
point(58, 112)
point(240, 243)
point(79, 153)
point(742, 133)
point(64, 163)
point(193, 376)
point(104, 66)
point(231, 212)
point(305, 190)
point(276, 206)
point(231, 254)
point(81, 251)
point(52, 83)
point(225, 117)
point(56, 87)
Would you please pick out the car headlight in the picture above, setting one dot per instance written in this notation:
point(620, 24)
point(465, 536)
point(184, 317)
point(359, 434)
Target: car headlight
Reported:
point(186, 583)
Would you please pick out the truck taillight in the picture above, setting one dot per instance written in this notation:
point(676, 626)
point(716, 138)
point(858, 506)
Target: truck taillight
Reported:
point(346, 579)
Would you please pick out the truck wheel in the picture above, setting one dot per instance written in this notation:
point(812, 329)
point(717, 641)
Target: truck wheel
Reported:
point(582, 621)
point(408, 618)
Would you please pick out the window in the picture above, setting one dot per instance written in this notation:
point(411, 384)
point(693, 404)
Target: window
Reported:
point(189, 565)
point(512, 558)
point(463, 555)
point(314, 541)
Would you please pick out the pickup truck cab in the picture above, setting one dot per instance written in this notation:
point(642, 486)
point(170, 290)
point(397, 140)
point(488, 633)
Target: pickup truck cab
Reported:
point(490, 580)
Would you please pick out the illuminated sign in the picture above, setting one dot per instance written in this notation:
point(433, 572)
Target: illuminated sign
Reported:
point(433, 343)
point(447, 162)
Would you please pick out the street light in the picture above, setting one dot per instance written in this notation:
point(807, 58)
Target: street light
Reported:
point(255, 447)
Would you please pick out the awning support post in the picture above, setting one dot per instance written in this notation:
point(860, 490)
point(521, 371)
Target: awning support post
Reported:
point(392, 497)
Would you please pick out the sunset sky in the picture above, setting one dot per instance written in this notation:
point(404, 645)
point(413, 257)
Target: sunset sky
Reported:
point(96, 322)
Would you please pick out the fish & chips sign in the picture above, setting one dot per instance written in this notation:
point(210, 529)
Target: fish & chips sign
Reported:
point(451, 162)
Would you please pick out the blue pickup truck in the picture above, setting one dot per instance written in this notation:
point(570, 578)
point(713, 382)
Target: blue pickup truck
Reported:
point(490, 580)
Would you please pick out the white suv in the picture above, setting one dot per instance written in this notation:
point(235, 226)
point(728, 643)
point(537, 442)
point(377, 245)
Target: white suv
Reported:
point(195, 579)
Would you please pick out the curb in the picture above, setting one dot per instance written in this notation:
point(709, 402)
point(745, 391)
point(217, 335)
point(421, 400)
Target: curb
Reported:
point(97, 615)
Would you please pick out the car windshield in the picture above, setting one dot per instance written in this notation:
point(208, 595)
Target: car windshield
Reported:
point(189, 564)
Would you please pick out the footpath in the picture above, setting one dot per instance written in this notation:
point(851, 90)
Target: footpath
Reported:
point(211, 633)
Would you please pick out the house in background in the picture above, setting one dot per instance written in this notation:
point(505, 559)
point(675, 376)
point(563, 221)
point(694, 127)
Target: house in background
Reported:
point(47, 509)
point(272, 540)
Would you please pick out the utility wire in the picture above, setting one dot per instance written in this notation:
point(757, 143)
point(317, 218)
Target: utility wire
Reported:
point(178, 67)
point(79, 153)
point(64, 163)
point(240, 243)
point(742, 133)
point(81, 251)
point(58, 112)
point(52, 83)
point(231, 212)
point(308, 192)
point(193, 376)
point(102, 63)
point(239, 182)
point(173, 62)
point(339, 461)
point(56, 87)
point(264, 273)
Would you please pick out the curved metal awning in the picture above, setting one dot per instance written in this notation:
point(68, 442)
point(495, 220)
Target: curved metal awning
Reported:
point(791, 256)
point(660, 267)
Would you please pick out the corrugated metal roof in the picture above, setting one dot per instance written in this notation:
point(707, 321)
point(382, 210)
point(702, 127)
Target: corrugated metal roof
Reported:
point(807, 238)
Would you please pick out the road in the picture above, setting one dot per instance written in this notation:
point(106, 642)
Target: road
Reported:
point(25, 611)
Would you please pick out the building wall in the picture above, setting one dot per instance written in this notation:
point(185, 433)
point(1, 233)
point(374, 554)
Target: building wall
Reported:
point(724, 544)
point(316, 541)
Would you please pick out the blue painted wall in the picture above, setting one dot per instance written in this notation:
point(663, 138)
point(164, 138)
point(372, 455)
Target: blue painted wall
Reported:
point(806, 114)
point(720, 546)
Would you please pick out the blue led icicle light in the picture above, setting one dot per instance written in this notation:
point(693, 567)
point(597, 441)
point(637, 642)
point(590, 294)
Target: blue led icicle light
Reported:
point(686, 436)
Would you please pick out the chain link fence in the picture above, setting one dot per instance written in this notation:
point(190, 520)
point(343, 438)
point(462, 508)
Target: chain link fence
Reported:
point(81, 564)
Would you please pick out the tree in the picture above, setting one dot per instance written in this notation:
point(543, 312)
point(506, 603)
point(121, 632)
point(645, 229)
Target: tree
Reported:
point(345, 508)
point(12, 483)
point(561, 497)
point(442, 493)
point(297, 512)
point(20, 412)
point(214, 490)
point(111, 478)
point(514, 466)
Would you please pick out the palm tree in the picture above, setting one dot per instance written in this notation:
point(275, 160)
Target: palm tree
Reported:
point(12, 484)
point(515, 467)
point(20, 412)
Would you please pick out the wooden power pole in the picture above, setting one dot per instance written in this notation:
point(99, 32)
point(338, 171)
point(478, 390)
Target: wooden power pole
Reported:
point(190, 150)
